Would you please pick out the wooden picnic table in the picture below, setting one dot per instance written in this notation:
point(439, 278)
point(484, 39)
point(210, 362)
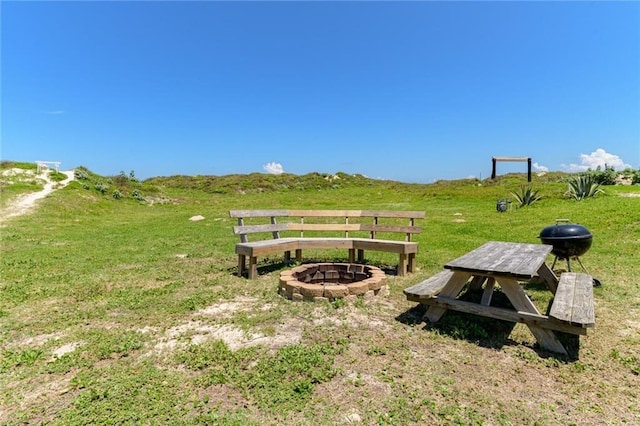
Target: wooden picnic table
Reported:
point(506, 264)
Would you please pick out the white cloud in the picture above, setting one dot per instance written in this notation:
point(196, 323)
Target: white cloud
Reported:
point(273, 168)
point(598, 158)
point(539, 168)
point(55, 112)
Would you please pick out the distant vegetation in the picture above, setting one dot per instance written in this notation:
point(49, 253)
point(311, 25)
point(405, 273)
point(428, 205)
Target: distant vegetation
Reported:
point(260, 182)
point(120, 186)
point(127, 186)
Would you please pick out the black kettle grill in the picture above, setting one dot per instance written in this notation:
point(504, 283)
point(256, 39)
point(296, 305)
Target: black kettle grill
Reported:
point(569, 241)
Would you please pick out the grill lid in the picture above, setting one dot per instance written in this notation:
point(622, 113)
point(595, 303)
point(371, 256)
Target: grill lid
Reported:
point(567, 231)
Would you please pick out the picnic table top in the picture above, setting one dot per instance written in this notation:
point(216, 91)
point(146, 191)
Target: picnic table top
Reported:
point(518, 260)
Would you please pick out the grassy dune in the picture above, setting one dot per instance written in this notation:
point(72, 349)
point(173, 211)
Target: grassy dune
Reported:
point(124, 311)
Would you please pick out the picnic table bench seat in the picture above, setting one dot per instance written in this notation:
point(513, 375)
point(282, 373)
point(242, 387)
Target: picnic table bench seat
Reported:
point(428, 288)
point(354, 230)
point(573, 302)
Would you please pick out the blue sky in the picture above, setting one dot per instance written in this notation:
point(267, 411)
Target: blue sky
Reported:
point(409, 91)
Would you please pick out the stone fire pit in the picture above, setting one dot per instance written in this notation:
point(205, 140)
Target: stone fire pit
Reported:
point(330, 281)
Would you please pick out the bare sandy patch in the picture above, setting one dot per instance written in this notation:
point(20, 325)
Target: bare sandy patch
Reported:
point(66, 349)
point(35, 341)
point(25, 203)
point(199, 329)
point(197, 332)
point(228, 308)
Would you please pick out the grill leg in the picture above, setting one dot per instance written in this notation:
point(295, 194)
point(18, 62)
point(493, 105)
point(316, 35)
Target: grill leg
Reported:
point(596, 282)
point(585, 269)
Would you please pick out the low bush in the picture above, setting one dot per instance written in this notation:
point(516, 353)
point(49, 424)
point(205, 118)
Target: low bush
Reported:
point(526, 196)
point(581, 187)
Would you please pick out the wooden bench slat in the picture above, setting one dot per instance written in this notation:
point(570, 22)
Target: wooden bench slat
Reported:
point(324, 243)
point(292, 226)
point(391, 228)
point(260, 248)
point(399, 214)
point(337, 227)
point(429, 287)
point(254, 229)
point(257, 213)
point(391, 246)
point(573, 302)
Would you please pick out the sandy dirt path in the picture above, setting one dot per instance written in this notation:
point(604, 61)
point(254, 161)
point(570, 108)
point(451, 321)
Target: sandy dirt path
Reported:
point(25, 203)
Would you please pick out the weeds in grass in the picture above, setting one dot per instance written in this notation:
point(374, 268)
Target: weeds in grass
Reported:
point(12, 359)
point(630, 361)
point(280, 382)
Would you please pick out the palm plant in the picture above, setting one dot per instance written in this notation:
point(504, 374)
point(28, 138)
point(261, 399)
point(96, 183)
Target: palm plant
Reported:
point(581, 187)
point(526, 196)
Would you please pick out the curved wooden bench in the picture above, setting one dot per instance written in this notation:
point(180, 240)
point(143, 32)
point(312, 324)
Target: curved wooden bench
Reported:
point(353, 232)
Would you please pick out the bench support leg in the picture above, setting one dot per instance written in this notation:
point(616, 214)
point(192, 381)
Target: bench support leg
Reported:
point(253, 268)
point(456, 283)
point(402, 265)
point(299, 255)
point(412, 262)
point(360, 256)
point(241, 264)
point(352, 255)
point(287, 257)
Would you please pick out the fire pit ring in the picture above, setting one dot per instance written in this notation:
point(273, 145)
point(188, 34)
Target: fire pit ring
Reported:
point(330, 281)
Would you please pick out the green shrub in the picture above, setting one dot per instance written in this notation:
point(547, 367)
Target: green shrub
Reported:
point(603, 177)
point(581, 187)
point(137, 195)
point(526, 196)
point(81, 174)
point(101, 187)
point(116, 194)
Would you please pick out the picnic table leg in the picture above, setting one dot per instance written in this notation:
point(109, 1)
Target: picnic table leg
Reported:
point(545, 337)
point(476, 282)
point(487, 294)
point(450, 290)
point(549, 278)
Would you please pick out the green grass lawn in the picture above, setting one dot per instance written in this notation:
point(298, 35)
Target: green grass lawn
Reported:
point(124, 311)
